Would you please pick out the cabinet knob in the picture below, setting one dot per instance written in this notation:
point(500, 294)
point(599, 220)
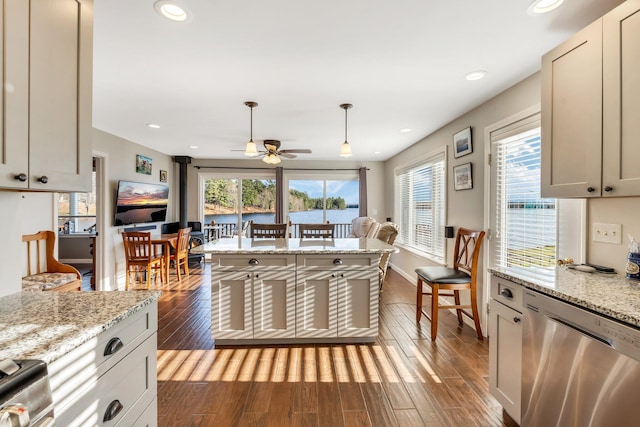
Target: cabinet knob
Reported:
point(590, 189)
point(43, 179)
point(22, 177)
point(516, 319)
point(113, 346)
point(337, 261)
point(608, 188)
point(333, 275)
point(506, 293)
point(253, 261)
point(112, 410)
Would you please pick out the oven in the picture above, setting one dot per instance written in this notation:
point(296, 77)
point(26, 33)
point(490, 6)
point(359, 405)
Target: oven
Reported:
point(25, 395)
point(579, 369)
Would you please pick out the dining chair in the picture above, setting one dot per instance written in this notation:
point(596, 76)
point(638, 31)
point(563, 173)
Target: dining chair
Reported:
point(325, 231)
point(462, 276)
point(180, 256)
point(268, 230)
point(141, 257)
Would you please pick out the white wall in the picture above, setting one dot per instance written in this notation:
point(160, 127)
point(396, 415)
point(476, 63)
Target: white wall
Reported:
point(120, 163)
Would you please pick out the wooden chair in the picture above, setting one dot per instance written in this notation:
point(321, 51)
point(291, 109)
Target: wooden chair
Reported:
point(272, 231)
point(141, 257)
point(324, 231)
point(52, 275)
point(462, 276)
point(386, 232)
point(181, 255)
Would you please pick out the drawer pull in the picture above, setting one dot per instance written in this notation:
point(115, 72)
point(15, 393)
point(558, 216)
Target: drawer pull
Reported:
point(337, 261)
point(113, 346)
point(507, 293)
point(43, 179)
point(112, 411)
point(253, 261)
point(22, 177)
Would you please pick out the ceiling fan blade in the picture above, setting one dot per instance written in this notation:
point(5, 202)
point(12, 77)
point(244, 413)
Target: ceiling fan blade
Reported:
point(298, 150)
point(287, 155)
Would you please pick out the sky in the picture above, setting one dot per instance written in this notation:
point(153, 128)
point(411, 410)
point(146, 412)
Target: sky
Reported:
point(345, 189)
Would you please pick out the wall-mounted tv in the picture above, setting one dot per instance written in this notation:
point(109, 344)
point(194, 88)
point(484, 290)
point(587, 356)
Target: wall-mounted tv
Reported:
point(139, 203)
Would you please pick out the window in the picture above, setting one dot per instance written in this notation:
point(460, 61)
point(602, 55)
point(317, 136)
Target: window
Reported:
point(421, 190)
point(524, 223)
point(320, 200)
point(77, 211)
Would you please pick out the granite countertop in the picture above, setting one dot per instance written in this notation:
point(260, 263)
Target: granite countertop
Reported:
point(47, 325)
point(247, 246)
point(612, 295)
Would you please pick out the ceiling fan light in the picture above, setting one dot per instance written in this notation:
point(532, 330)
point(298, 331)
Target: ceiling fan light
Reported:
point(271, 159)
point(251, 150)
point(345, 150)
point(543, 6)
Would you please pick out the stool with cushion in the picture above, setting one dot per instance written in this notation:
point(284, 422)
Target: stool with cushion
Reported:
point(462, 276)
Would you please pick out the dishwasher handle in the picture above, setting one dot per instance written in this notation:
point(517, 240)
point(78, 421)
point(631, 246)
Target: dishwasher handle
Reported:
point(580, 330)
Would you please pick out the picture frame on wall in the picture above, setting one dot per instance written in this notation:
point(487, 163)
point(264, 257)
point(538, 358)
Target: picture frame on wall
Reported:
point(462, 144)
point(163, 176)
point(462, 177)
point(143, 164)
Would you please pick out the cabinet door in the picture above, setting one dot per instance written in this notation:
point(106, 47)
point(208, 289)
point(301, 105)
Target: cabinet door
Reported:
point(60, 94)
point(274, 304)
point(14, 98)
point(505, 357)
point(358, 303)
point(621, 100)
point(316, 305)
point(231, 305)
point(572, 116)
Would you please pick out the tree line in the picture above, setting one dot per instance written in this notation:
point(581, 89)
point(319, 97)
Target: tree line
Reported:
point(260, 195)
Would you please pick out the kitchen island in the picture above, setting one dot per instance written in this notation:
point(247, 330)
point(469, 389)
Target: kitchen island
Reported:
point(100, 348)
point(294, 290)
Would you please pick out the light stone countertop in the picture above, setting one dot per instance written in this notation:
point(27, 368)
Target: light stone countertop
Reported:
point(612, 295)
point(246, 246)
point(47, 325)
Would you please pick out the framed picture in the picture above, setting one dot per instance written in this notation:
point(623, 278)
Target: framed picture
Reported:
point(462, 143)
point(462, 179)
point(143, 164)
point(163, 176)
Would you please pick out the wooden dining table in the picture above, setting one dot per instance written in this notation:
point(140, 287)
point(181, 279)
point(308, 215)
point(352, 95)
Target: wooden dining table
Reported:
point(167, 241)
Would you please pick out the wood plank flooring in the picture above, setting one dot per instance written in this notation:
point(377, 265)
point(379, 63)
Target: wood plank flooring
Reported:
point(402, 379)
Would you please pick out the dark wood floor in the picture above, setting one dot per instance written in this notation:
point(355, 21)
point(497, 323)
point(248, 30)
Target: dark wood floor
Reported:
point(403, 379)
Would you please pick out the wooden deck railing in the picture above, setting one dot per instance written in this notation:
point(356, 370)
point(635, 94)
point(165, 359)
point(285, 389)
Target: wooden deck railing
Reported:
point(228, 229)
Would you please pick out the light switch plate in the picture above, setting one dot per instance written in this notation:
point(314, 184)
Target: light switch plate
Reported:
point(607, 233)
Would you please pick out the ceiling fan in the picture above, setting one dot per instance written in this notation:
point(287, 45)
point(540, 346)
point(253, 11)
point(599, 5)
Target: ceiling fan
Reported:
point(272, 146)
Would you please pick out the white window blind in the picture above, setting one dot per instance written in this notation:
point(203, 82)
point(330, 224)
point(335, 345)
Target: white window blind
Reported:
point(525, 223)
point(421, 207)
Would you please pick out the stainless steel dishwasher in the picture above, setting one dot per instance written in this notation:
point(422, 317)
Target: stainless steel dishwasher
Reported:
point(578, 368)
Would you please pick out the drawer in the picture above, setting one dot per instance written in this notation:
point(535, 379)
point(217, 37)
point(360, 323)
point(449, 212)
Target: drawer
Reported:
point(507, 292)
point(81, 366)
point(337, 262)
point(126, 390)
point(252, 262)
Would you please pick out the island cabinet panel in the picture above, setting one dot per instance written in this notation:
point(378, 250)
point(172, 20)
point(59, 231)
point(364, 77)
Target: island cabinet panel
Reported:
point(358, 304)
point(317, 305)
point(231, 308)
point(274, 304)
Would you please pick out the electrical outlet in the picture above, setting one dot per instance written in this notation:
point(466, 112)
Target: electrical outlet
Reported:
point(607, 233)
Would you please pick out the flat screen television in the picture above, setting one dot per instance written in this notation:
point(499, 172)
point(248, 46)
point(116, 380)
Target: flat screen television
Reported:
point(139, 203)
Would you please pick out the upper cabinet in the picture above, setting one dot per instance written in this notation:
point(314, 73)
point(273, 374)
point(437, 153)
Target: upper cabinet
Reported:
point(590, 96)
point(45, 134)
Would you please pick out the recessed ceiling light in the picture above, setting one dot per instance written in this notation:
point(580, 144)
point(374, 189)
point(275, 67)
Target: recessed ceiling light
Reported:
point(193, 146)
point(376, 152)
point(153, 126)
point(171, 10)
point(543, 6)
point(476, 75)
point(405, 130)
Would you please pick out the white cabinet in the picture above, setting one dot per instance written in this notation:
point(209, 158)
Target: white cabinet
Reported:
point(590, 103)
point(46, 107)
point(505, 345)
point(111, 379)
point(337, 296)
point(252, 297)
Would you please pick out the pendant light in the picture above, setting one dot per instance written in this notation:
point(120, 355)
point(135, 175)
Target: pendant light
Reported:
point(345, 150)
point(251, 150)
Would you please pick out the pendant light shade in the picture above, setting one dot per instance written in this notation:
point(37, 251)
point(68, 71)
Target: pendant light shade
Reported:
point(345, 149)
point(251, 150)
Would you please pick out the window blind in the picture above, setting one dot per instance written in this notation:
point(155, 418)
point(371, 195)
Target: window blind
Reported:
point(421, 208)
point(525, 223)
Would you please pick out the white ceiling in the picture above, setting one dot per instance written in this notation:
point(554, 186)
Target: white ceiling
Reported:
point(401, 63)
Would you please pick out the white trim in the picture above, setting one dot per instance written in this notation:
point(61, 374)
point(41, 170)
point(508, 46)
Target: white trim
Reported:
point(103, 215)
